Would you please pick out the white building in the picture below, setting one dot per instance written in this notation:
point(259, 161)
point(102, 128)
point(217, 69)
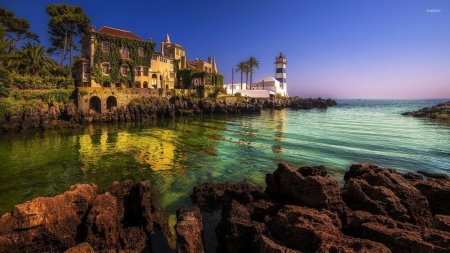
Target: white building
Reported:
point(266, 87)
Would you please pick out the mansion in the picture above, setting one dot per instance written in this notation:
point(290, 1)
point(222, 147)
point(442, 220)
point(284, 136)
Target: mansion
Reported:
point(120, 59)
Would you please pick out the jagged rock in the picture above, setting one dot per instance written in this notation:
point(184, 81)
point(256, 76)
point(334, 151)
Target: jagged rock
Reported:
point(386, 192)
point(81, 248)
point(288, 186)
point(398, 236)
point(433, 175)
point(412, 177)
point(313, 171)
point(437, 191)
point(441, 222)
point(309, 230)
point(210, 196)
point(234, 231)
point(189, 230)
point(122, 218)
point(439, 111)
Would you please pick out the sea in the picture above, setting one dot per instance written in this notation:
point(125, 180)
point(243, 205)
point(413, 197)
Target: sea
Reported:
point(177, 154)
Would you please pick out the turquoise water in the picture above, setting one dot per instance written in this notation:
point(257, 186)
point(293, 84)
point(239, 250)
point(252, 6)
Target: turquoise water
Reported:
point(176, 154)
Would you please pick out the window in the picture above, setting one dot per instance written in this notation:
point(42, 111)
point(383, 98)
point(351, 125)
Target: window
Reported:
point(155, 57)
point(137, 71)
point(124, 70)
point(86, 68)
point(145, 71)
point(171, 75)
point(125, 52)
point(105, 68)
point(141, 51)
point(105, 46)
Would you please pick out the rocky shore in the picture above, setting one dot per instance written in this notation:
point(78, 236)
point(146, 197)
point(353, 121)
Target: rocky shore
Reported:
point(439, 111)
point(301, 210)
point(55, 116)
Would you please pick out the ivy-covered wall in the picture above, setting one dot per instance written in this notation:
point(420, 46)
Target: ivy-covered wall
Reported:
point(115, 60)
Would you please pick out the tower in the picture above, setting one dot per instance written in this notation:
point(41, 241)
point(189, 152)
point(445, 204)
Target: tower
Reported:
point(280, 72)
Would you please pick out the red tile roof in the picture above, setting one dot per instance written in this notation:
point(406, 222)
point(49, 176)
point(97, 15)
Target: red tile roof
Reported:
point(118, 32)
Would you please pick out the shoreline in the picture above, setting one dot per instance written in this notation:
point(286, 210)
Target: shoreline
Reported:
point(60, 116)
point(375, 211)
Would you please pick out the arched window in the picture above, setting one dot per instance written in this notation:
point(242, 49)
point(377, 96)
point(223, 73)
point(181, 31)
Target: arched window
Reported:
point(105, 68)
point(124, 70)
point(125, 52)
point(145, 85)
point(138, 85)
point(137, 71)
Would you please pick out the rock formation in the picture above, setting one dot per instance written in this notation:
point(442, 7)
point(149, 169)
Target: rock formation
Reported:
point(55, 116)
point(301, 210)
point(378, 210)
point(439, 111)
point(85, 220)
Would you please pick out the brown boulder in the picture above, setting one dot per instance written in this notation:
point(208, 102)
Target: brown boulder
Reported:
point(81, 248)
point(120, 219)
point(398, 236)
point(386, 192)
point(313, 171)
point(438, 194)
point(441, 222)
point(288, 186)
point(310, 230)
point(210, 196)
point(189, 230)
point(235, 229)
point(433, 175)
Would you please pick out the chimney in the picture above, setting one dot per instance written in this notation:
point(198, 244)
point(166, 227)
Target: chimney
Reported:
point(150, 39)
point(92, 28)
point(162, 48)
point(210, 60)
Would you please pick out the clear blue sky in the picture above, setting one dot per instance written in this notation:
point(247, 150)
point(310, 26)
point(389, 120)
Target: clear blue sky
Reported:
point(337, 49)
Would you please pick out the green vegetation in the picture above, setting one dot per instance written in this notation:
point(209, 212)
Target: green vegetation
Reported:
point(252, 62)
point(66, 24)
point(19, 101)
point(115, 60)
point(247, 67)
point(28, 76)
point(238, 94)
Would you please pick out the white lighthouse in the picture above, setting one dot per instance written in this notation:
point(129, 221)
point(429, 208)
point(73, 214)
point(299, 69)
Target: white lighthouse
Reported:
point(280, 72)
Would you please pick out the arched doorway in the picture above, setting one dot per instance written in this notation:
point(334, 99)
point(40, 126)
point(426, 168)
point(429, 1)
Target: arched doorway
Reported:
point(130, 85)
point(95, 105)
point(111, 102)
point(145, 85)
point(138, 85)
point(154, 80)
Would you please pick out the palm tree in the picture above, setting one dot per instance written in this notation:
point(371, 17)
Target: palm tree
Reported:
point(241, 68)
point(35, 57)
point(252, 62)
point(246, 71)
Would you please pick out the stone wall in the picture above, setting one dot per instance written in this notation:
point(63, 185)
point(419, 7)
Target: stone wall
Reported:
point(100, 99)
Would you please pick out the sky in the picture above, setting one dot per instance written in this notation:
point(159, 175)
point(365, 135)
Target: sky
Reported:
point(334, 49)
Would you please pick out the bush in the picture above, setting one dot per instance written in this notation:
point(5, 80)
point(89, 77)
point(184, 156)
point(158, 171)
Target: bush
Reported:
point(237, 94)
point(135, 101)
point(5, 82)
point(29, 82)
point(278, 95)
